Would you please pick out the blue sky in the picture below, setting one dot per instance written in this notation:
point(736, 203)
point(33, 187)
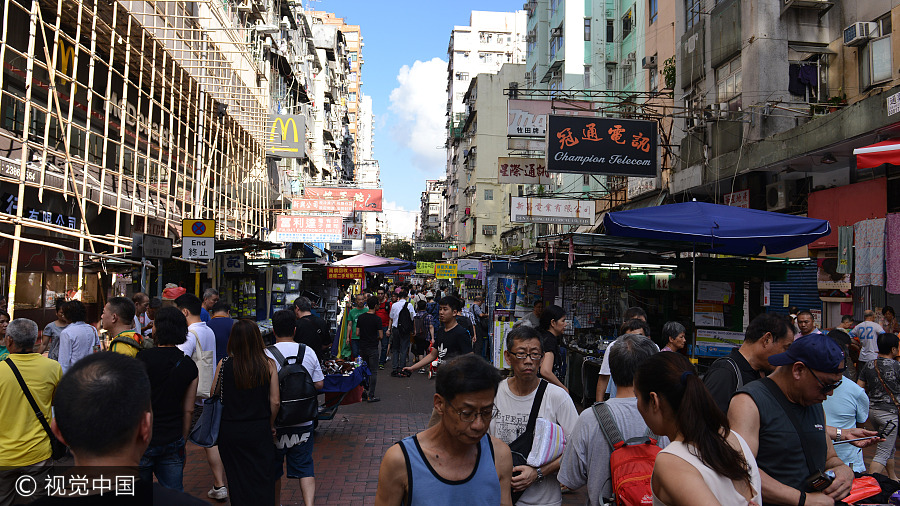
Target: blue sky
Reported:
point(405, 66)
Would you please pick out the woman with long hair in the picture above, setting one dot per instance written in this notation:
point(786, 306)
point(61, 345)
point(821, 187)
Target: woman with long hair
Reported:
point(250, 399)
point(706, 463)
point(552, 325)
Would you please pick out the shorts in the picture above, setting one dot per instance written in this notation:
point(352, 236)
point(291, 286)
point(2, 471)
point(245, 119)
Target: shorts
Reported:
point(295, 445)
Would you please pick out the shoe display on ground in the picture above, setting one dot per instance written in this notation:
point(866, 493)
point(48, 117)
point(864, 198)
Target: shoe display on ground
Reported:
point(218, 493)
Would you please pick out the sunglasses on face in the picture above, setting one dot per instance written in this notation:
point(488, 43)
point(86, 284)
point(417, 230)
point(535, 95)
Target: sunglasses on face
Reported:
point(826, 388)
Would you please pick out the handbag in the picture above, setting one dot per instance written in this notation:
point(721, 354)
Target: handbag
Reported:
point(521, 447)
point(57, 448)
point(206, 431)
point(549, 443)
point(206, 367)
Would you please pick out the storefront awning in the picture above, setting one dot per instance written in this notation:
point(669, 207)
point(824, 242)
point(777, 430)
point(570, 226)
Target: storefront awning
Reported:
point(877, 154)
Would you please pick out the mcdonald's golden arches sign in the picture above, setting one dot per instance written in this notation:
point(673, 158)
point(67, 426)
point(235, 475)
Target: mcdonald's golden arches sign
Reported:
point(287, 135)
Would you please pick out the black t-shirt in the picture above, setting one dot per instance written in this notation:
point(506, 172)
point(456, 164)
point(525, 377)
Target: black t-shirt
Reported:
point(453, 342)
point(145, 494)
point(550, 343)
point(167, 389)
point(721, 379)
point(368, 325)
point(313, 332)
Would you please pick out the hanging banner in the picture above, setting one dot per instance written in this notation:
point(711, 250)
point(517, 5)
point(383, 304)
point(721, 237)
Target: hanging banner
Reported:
point(609, 146)
point(738, 199)
point(426, 268)
point(445, 271)
point(528, 118)
point(467, 267)
point(308, 228)
point(344, 207)
point(523, 171)
point(365, 199)
point(346, 272)
point(557, 211)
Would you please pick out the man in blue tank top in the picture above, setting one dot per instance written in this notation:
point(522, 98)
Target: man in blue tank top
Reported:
point(782, 420)
point(454, 462)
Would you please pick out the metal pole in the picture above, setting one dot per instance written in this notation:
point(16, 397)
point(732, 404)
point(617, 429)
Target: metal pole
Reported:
point(143, 275)
point(694, 301)
point(159, 278)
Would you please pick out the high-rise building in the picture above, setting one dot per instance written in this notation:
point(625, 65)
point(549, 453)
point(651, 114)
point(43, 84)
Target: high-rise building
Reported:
point(365, 130)
point(430, 216)
point(491, 40)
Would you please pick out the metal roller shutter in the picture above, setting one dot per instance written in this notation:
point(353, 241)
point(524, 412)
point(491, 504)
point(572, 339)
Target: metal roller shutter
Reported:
point(801, 288)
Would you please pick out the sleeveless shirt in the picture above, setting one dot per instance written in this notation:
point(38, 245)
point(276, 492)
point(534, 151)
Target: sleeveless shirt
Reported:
point(780, 452)
point(721, 486)
point(426, 487)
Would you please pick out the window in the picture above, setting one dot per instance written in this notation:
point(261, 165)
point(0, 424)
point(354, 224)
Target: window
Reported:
point(585, 180)
point(489, 229)
point(554, 5)
point(728, 84)
point(587, 29)
point(353, 56)
point(693, 105)
point(627, 23)
point(807, 72)
point(351, 97)
point(488, 194)
point(653, 10)
point(462, 76)
point(692, 13)
point(610, 78)
point(587, 77)
point(875, 56)
point(353, 77)
point(610, 30)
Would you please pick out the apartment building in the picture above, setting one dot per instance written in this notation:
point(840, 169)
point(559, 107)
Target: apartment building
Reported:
point(430, 216)
point(491, 40)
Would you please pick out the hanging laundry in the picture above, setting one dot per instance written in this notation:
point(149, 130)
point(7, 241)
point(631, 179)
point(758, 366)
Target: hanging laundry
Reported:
point(869, 252)
point(892, 253)
point(809, 77)
point(845, 250)
point(795, 87)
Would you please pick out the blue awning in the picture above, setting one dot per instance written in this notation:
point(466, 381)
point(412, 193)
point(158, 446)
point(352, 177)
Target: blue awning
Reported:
point(721, 229)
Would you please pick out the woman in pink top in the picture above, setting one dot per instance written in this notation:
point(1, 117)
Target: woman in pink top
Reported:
point(672, 337)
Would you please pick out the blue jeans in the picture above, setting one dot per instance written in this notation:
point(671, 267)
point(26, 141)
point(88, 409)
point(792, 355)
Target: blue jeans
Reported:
point(385, 339)
point(354, 348)
point(166, 462)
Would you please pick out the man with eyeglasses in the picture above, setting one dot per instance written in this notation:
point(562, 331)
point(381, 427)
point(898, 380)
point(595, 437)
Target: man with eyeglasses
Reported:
point(514, 400)
point(782, 420)
point(454, 461)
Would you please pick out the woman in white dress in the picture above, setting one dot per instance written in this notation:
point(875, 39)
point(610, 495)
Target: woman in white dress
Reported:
point(705, 463)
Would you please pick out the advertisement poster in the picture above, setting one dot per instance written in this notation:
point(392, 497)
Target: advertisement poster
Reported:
point(832, 285)
point(499, 341)
point(506, 293)
point(709, 314)
point(425, 268)
point(715, 291)
point(610, 146)
point(308, 228)
point(445, 271)
point(467, 267)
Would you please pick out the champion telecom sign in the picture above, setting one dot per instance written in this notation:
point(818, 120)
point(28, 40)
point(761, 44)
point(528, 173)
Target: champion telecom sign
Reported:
point(609, 146)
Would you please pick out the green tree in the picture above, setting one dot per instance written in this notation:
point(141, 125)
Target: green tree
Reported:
point(397, 248)
point(429, 256)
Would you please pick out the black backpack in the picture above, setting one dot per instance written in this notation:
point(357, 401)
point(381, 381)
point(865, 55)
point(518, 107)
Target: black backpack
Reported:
point(419, 323)
point(299, 398)
point(404, 321)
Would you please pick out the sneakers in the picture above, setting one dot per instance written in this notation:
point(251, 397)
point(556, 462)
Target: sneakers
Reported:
point(373, 399)
point(395, 374)
point(421, 371)
point(218, 493)
point(381, 366)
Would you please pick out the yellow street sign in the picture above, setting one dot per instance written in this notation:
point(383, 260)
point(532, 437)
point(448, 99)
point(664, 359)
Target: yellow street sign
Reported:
point(198, 228)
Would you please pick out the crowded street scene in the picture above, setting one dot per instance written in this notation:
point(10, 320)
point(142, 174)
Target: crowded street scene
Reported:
point(606, 253)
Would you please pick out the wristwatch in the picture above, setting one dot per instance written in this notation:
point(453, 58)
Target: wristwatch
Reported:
point(539, 473)
point(838, 438)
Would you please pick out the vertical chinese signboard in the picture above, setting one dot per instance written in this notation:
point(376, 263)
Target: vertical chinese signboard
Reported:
point(609, 146)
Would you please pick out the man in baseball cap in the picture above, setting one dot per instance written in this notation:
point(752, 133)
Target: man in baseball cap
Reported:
point(782, 420)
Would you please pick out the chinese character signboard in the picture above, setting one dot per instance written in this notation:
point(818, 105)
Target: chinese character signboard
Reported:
point(287, 136)
point(198, 239)
point(352, 230)
point(738, 199)
point(426, 268)
point(234, 262)
point(344, 207)
point(528, 118)
point(558, 211)
point(609, 146)
point(151, 246)
point(346, 272)
point(365, 199)
point(308, 228)
point(445, 271)
point(432, 246)
point(893, 104)
point(523, 171)
point(640, 185)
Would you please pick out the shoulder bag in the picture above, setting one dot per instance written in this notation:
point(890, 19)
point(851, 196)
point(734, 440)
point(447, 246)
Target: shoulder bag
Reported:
point(57, 448)
point(206, 431)
point(521, 447)
point(206, 367)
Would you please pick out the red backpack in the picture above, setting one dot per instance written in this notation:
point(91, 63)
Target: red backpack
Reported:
point(630, 462)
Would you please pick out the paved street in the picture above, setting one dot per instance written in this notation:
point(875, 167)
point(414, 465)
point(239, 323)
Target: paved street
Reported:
point(349, 448)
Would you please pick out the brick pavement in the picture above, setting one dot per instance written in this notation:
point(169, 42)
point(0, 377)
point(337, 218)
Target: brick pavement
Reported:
point(348, 449)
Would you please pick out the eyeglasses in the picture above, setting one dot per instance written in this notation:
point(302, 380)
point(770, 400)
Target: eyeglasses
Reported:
point(825, 388)
point(534, 356)
point(486, 414)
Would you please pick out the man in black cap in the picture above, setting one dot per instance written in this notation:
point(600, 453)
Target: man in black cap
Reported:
point(782, 420)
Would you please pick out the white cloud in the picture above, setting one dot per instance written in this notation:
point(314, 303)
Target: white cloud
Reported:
point(399, 220)
point(419, 104)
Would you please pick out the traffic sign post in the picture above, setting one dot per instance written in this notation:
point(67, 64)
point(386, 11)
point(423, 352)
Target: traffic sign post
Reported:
point(198, 239)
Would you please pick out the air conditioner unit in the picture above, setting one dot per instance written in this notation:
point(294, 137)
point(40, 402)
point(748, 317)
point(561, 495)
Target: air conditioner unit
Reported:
point(556, 32)
point(779, 195)
point(859, 33)
point(649, 62)
point(488, 230)
point(630, 57)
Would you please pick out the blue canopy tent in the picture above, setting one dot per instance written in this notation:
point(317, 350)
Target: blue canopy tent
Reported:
point(716, 228)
